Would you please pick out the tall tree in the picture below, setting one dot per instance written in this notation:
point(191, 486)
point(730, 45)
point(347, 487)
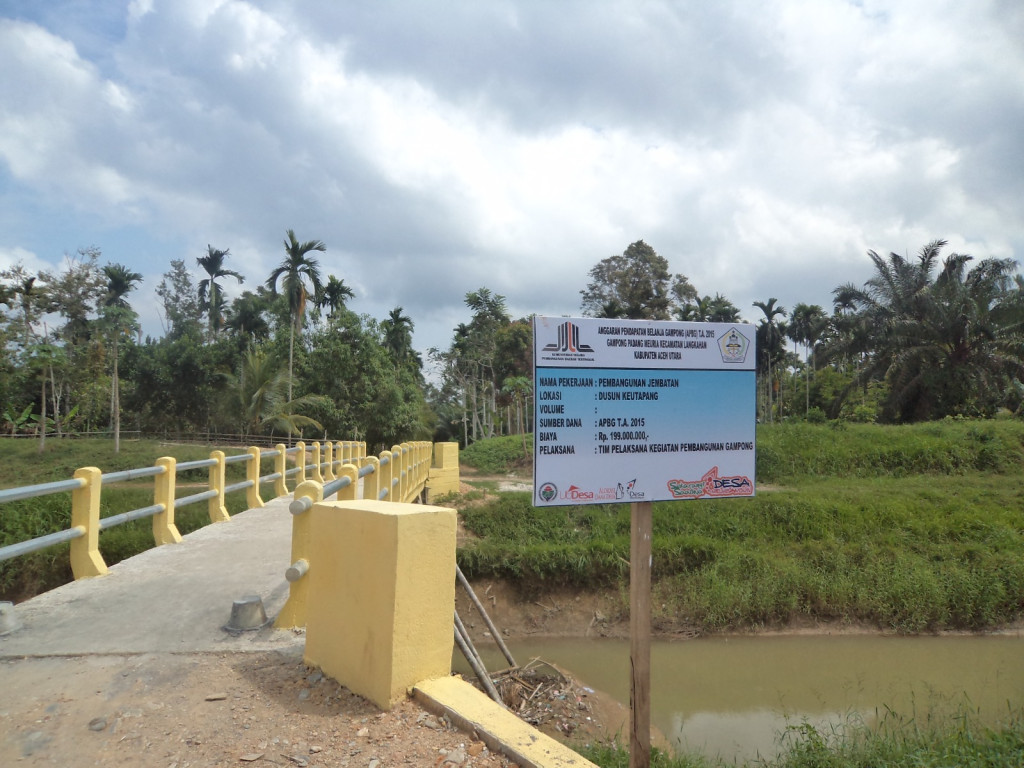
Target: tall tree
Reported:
point(945, 344)
point(334, 295)
point(807, 323)
point(398, 336)
point(767, 346)
point(120, 320)
point(299, 274)
point(470, 366)
point(211, 295)
point(636, 284)
point(182, 303)
point(247, 319)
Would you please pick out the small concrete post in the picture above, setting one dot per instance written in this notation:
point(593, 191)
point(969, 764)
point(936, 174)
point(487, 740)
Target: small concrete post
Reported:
point(86, 560)
point(317, 474)
point(300, 461)
point(216, 507)
point(397, 473)
point(386, 469)
point(252, 474)
point(164, 529)
point(371, 483)
point(294, 612)
point(381, 595)
point(280, 465)
point(329, 461)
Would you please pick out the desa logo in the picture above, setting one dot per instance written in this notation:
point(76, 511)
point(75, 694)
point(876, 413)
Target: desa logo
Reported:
point(730, 482)
point(575, 493)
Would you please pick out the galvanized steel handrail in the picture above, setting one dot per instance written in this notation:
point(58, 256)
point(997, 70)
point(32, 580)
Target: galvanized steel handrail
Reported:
point(41, 489)
point(87, 484)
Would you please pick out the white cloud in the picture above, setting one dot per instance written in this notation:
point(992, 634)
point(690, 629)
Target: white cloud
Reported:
point(514, 145)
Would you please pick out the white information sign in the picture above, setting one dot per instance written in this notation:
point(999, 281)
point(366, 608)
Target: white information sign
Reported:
point(635, 410)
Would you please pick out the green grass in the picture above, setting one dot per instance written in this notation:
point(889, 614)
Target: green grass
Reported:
point(928, 740)
point(916, 529)
point(798, 450)
point(498, 454)
point(21, 464)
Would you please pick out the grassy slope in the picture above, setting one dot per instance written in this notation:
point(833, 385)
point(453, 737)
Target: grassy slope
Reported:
point(912, 528)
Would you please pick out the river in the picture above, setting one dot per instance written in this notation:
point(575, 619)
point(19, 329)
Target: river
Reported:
point(734, 696)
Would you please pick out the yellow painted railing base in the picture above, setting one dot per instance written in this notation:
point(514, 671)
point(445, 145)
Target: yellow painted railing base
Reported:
point(381, 595)
point(471, 710)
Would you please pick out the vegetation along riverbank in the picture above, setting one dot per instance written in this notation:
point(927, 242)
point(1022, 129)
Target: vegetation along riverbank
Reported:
point(914, 528)
point(909, 529)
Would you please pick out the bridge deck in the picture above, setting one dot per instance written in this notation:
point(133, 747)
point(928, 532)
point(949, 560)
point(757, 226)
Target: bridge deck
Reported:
point(169, 599)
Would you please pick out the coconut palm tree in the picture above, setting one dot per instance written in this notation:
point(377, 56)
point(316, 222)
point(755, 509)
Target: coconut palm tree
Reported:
point(299, 274)
point(120, 320)
point(260, 391)
point(211, 295)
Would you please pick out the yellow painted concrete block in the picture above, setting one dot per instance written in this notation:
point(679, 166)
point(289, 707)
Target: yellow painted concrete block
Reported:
point(446, 455)
point(381, 595)
point(501, 730)
point(441, 482)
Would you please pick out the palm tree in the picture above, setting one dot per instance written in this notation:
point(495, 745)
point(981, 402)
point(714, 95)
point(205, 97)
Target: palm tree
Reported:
point(772, 334)
point(295, 271)
point(260, 387)
point(807, 324)
point(245, 317)
point(334, 295)
point(398, 336)
point(211, 295)
point(947, 345)
point(120, 319)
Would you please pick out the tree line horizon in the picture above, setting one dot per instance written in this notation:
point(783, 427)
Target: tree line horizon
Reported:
point(925, 337)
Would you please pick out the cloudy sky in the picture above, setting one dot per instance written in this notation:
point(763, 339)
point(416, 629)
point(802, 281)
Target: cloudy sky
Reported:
point(436, 147)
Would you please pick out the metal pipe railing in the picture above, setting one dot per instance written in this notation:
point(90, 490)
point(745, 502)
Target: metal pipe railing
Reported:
point(399, 474)
point(86, 488)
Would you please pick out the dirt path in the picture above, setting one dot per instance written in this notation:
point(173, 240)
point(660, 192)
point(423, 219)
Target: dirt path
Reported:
point(192, 710)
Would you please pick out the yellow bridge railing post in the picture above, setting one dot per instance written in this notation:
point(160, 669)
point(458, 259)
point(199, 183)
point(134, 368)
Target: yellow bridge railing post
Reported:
point(280, 465)
point(164, 529)
point(300, 461)
point(386, 471)
point(216, 508)
point(329, 461)
point(371, 482)
point(252, 474)
point(293, 614)
point(317, 474)
point(398, 457)
point(86, 560)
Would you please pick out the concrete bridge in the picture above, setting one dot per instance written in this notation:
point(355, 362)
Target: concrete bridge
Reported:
point(92, 672)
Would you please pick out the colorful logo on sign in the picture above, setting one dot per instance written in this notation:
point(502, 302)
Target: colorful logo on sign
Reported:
point(734, 346)
point(711, 485)
point(568, 340)
point(622, 491)
point(548, 492)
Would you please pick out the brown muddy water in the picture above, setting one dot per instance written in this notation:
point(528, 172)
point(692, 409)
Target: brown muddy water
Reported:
point(735, 696)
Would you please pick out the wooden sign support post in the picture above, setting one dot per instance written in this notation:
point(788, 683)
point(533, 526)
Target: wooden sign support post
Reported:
point(640, 635)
